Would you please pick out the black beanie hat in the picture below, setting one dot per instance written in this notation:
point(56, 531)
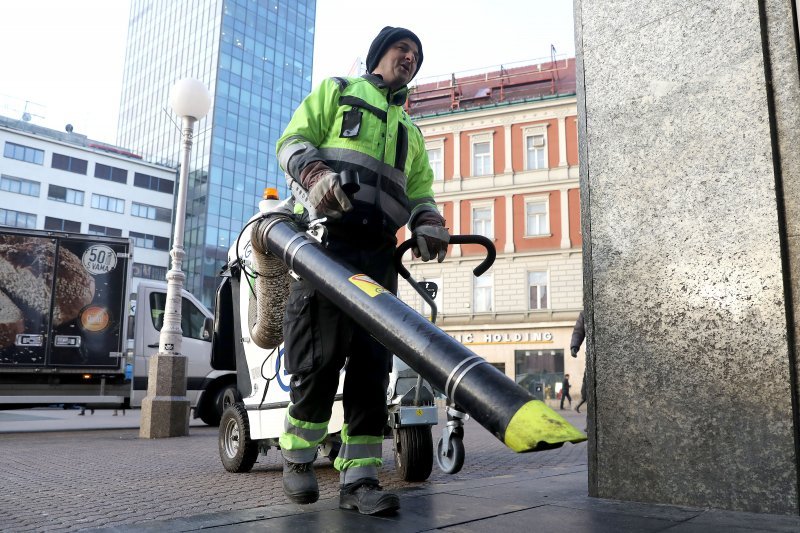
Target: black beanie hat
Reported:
point(387, 37)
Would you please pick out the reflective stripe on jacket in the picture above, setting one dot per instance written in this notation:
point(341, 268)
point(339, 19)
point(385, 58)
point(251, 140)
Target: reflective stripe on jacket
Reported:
point(359, 124)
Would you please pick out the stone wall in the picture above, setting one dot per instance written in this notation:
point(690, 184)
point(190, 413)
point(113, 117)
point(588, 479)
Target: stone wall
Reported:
point(687, 224)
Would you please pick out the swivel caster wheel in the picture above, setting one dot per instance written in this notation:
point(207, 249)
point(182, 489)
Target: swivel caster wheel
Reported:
point(451, 459)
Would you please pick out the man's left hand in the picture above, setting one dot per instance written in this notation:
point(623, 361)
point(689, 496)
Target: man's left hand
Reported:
point(431, 237)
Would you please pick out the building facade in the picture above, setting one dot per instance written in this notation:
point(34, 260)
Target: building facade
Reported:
point(503, 147)
point(256, 59)
point(64, 181)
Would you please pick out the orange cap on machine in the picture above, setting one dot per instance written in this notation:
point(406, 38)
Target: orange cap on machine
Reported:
point(270, 193)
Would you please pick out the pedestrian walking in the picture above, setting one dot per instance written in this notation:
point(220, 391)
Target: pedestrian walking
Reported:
point(578, 336)
point(565, 391)
point(583, 394)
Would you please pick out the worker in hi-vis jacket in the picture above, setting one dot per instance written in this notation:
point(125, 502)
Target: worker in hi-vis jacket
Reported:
point(356, 125)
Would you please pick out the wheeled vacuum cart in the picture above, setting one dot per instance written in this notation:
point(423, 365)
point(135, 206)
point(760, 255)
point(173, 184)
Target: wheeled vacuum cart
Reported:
point(253, 418)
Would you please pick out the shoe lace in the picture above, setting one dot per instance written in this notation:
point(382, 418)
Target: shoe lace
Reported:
point(300, 468)
point(364, 485)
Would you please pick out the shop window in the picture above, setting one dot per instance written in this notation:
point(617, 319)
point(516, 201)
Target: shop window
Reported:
point(540, 372)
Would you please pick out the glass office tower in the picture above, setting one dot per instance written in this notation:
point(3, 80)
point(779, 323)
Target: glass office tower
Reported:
point(255, 56)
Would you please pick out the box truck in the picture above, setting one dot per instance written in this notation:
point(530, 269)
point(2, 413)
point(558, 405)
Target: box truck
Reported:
point(69, 327)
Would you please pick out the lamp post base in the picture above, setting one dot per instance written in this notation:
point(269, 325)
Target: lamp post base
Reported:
point(165, 409)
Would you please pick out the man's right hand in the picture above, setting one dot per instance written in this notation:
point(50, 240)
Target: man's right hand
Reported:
point(325, 191)
point(574, 351)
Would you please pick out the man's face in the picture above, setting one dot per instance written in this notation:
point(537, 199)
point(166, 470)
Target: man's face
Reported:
point(399, 64)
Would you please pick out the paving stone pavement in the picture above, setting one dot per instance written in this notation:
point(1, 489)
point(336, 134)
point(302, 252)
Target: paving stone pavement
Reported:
point(75, 480)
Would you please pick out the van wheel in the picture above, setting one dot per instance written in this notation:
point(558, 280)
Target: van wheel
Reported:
point(223, 397)
point(237, 452)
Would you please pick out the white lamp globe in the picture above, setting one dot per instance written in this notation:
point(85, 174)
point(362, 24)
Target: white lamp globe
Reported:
point(190, 98)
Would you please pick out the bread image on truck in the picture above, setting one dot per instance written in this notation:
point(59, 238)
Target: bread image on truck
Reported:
point(69, 326)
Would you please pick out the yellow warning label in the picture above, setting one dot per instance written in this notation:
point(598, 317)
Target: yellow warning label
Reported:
point(367, 284)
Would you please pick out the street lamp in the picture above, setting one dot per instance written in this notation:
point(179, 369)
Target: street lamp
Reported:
point(165, 409)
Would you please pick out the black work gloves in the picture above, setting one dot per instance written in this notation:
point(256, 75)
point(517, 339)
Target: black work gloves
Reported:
point(325, 190)
point(574, 351)
point(430, 236)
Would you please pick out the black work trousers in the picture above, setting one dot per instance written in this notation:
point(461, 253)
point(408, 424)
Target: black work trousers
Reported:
point(320, 339)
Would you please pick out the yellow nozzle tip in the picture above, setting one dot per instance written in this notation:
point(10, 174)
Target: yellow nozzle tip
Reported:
point(537, 427)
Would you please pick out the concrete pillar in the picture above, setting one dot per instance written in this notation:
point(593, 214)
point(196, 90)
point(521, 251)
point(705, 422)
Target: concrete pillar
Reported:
point(455, 249)
point(509, 223)
point(507, 169)
point(562, 141)
point(165, 415)
point(690, 192)
point(456, 154)
point(564, 197)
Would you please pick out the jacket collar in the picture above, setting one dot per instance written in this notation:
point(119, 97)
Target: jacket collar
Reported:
point(395, 98)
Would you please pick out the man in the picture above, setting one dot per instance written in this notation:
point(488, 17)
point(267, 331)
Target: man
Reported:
point(578, 335)
point(565, 391)
point(358, 125)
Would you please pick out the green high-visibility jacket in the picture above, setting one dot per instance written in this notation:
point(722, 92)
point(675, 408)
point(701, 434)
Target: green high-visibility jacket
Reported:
point(360, 124)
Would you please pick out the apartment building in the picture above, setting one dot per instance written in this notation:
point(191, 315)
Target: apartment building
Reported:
point(64, 181)
point(503, 146)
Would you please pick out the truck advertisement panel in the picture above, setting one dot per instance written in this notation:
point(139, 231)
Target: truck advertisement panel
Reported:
point(27, 265)
point(62, 300)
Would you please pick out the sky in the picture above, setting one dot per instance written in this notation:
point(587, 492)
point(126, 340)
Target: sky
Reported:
point(62, 59)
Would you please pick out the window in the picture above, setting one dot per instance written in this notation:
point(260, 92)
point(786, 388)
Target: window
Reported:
point(192, 319)
point(70, 164)
point(63, 194)
point(153, 183)
point(535, 152)
point(23, 153)
point(482, 293)
point(105, 172)
point(536, 218)
point(19, 186)
point(540, 372)
point(482, 158)
point(535, 147)
point(482, 221)
point(108, 203)
point(537, 290)
point(58, 224)
point(152, 212)
point(142, 270)
point(17, 219)
point(103, 230)
point(153, 242)
point(437, 164)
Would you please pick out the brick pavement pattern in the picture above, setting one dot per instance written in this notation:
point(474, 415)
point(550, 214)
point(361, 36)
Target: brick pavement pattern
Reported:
point(69, 481)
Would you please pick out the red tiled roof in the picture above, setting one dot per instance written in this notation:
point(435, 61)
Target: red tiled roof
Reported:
point(492, 88)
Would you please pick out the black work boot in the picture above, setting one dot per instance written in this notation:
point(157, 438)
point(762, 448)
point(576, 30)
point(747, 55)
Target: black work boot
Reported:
point(367, 496)
point(300, 482)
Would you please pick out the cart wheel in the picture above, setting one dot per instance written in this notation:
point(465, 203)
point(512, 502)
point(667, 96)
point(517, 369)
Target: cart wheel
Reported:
point(452, 461)
point(237, 451)
point(413, 452)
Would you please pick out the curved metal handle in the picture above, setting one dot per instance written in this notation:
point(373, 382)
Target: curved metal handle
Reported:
point(491, 253)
